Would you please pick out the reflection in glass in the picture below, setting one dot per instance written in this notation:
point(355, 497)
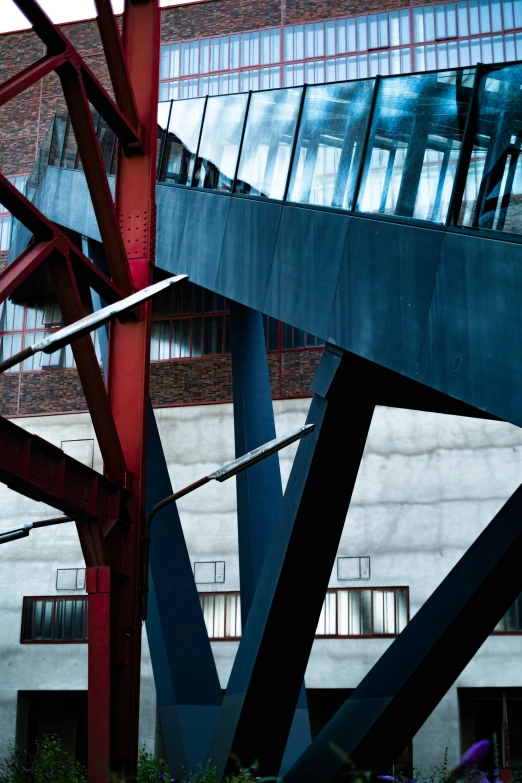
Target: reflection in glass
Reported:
point(181, 143)
point(329, 144)
point(414, 145)
point(493, 192)
point(220, 140)
point(268, 141)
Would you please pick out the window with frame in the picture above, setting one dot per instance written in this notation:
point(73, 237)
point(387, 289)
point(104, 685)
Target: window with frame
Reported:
point(21, 325)
point(283, 337)
point(53, 620)
point(347, 613)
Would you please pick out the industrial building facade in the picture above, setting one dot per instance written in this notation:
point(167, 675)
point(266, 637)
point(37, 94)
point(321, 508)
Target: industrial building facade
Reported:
point(440, 479)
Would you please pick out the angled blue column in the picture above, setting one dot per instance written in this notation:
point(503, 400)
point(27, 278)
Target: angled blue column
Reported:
point(187, 685)
point(259, 489)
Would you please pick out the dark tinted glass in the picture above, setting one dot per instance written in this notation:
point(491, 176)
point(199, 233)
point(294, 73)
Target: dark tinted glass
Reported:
point(329, 144)
point(181, 142)
point(28, 620)
point(268, 142)
point(220, 140)
point(414, 144)
point(493, 193)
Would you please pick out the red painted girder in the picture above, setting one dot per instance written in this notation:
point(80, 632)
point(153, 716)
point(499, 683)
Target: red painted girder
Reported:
point(128, 377)
point(25, 264)
point(51, 237)
point(125, 127)
point(89, 371)
point(116, 61)
point(94, 171)
point(21, 81)
point(37, 469)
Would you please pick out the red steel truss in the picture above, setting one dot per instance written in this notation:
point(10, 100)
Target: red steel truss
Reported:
point(109, 510)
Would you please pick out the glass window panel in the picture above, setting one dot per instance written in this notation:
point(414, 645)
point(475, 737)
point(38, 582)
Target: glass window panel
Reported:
point(38, 615)
point(494, 185)
point(194, 57)
point(220, 140)
point(451, 20)
point(164, 62)
point(234, 51)
point(185, 339)
point(402, 610)
point(214, 54)
point(207, 336)
point(68, 620)
point(395, 59)
point(518, 43)
point(496, 16)
point(405, 25)
point(175, 345)
point(185, 59)
point(485, 21)
point(487, 50)
point(219, 617)
point(351, 35)
point(321, 625)
point(462, 18)
point(475, 52)
point(79, 624)
point(442, 55)
point(362, 66)
point(355, 612)
point(268, 140)
point(319, 39)
point(28, 618)
point(275, 77)
point(509, 45)
point(374, 64)
point(440, 21)
point(383, 29)
point(181, 142)
point(245, 47)
point(254, 48)
point(507, 12)
point(330, 38)
point(288, 337)
point(340, 35)
point(474, 17)
point(352, 67)
point(362, 33)
point(331, 612)
point(224, 49)
point(238, 615)
point(366, 612)
point(309, 40)
point(418, 24)
point(498, 49)
point(217, 343)
point(378, 611)
point(230, 620)
point(276, 46)
point(224, 84)
point(417, 123)
point(196, 336)
point(331, 71)
point(342, 612)
point(389, 611)
point(341, 70)
point(331, 135)
point(511, 618)
point(517, 10)
point(384, 63)
point(395, 38)
point(175, 61)
point(373, 31)
point(204, 56)
point(319, 73)
point(265, 47)
point(431, 62)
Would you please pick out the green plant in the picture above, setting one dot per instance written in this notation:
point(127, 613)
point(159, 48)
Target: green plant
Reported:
point(50, 763)
point(151, 770)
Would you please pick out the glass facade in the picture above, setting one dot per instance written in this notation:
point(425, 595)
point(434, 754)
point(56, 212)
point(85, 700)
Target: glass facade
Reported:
point(442, 146)
point(434, 36)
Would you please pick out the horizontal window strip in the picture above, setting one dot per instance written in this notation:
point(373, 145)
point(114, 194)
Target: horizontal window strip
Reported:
point(53, 620)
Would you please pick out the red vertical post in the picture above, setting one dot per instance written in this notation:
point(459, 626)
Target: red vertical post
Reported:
point(128, 379)
point(98, 589)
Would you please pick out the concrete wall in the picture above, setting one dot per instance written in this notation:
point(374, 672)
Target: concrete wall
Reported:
point(427, 486)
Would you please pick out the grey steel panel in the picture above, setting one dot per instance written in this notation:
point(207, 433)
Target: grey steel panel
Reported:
point(202, 240)
point(306, 266)
point(172, 206)
point(384, 291)
point(248, 250)
point(471, 348)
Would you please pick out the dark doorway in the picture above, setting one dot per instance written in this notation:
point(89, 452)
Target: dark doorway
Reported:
point(63, 713)
point(494, 714)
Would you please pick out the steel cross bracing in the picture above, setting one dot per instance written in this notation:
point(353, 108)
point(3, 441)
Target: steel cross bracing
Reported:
point(109, 511)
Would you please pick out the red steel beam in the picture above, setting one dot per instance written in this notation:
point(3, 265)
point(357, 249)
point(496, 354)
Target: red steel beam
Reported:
point(52, 237)
point(89, 371)
point(94, 171)
point(128, 376)
point(37, 469)
point(116, 62)
point(127, 133)
point(21, 81)
point(15, 274)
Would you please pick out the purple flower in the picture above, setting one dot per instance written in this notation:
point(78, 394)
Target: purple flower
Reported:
point(475, 754)
point(387, 778)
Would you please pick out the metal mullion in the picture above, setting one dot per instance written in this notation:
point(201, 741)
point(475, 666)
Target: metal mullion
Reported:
point(365, 145)
point(162, 147)
point(65, 137)
point(372, 627)
point(294, 143)
point(199, 138)
point(466, 149)
point(240, 149)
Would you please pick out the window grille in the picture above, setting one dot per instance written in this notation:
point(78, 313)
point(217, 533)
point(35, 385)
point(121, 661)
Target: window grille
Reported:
point(222, 614)
point(51, 620)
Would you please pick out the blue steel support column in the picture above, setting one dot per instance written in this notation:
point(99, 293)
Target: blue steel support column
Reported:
point(188, 692)
point(267, 675)
point(259, 489)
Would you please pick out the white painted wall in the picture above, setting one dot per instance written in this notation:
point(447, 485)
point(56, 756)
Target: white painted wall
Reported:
point(427, 486)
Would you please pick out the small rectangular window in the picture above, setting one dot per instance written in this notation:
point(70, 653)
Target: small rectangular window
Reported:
point(353, 568)
point(52, 620)
point(70, 579)
point(212, 572)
